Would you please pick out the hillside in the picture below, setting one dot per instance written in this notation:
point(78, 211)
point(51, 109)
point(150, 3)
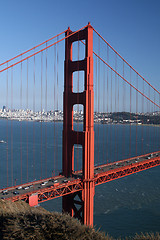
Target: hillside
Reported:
point(21, 222)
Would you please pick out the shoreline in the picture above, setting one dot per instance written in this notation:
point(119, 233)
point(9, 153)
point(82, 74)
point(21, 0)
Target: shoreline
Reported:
point(81, 122)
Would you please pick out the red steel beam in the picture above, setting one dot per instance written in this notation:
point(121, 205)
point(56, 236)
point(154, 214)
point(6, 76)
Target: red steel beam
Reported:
point(49, 193)
point(120, 172)
point(77, 185)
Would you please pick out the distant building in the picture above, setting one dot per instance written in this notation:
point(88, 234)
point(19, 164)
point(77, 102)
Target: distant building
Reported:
point(4, 108)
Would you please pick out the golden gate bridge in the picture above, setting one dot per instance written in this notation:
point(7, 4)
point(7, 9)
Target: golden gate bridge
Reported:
point(95, 86)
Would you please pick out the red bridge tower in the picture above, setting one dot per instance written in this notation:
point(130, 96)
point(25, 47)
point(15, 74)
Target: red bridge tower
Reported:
point(79, 204)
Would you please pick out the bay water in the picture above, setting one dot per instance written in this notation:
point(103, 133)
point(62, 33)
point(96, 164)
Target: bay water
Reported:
point(123, 207)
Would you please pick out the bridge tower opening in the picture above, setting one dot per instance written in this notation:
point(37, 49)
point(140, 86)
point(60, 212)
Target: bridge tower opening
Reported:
point(80, 204)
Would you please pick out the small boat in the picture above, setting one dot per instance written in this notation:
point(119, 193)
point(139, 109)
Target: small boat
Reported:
point(2, 141)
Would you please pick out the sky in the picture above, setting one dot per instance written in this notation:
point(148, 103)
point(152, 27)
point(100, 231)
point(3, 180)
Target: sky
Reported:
point(131, 27)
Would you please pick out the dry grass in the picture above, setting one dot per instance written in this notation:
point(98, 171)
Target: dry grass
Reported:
point(146, 236)
point(19, 221)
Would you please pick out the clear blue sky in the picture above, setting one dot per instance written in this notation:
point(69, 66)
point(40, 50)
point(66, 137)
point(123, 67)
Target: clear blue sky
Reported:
point(132, 27)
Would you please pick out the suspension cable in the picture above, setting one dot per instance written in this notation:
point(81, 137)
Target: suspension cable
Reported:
point(46, 115)
point(127, 81)
point(41, 50)
point(31, 49)
point(125, 61)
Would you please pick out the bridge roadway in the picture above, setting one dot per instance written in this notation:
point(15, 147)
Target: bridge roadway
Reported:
point(51, 188)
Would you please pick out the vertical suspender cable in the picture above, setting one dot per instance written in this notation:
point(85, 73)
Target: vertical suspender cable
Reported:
point(21, 125)
point(111, 131)
point(27, 120)
point(104, 86)
point(136, 110)
point(55, 149)
point(98, 94)
point(130, 116)
point(118, 156)
point(152, 111)
point(12, 125)
point(107, 128)
point(34, 79)
point(142, 119)
point(123, 151)
point(41, 107)
point(148, 125)
point(154, 125)
point(57, 101)
point(45, 121)
point(96, 101)
point(115, 110)
point(7, 126)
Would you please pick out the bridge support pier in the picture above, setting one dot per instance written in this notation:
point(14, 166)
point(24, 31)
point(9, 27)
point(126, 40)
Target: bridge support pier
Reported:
point(79, 205)
point(33, 200)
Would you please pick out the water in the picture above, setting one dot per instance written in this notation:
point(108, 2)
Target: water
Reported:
point(121, 207)
point(129, 205)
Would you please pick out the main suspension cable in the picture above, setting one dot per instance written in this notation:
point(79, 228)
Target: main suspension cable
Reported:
point(126, 61)
point(127, 81)
point(41, 50)
point(32, 48)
